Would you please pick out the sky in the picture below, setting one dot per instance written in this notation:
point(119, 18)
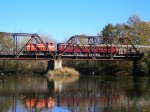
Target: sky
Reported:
point(61, 19)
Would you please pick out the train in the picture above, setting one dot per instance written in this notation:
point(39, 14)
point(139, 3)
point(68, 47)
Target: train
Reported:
point(86, 49)
point(65, 49)
point(42, 48)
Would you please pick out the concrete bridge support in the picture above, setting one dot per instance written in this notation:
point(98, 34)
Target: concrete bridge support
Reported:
point(54, 64)
point(135, 70)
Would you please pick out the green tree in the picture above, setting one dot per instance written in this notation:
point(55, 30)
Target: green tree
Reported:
point(142, 30)
point(122, 30)
point(108, 31)
point(144, 64)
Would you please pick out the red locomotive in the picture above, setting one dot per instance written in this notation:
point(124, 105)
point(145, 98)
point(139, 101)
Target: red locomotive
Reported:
point(31, 48)
point(87, 49)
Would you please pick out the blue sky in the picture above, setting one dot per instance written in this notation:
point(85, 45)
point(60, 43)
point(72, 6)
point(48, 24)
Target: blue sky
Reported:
point(64, 18)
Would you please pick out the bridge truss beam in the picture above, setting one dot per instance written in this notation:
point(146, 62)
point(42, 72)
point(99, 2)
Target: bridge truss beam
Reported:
point(11, 48)
point(124, 45)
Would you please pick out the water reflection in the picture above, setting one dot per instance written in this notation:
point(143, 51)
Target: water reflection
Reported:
point(15, 89)
point(61, 82)
point(31, 93)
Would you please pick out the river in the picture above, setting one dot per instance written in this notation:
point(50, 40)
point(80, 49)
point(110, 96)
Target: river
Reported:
point(103, 93)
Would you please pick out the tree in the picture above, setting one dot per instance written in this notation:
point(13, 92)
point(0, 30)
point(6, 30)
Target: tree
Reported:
point(142, 30)
point(139, 30)
point(122, 30)
point(108, 31)
point(133, 20)
point(83, 39)
point(6, 43)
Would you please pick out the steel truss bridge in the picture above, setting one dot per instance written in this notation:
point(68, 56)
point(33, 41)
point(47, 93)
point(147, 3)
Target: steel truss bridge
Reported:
point(12, 46)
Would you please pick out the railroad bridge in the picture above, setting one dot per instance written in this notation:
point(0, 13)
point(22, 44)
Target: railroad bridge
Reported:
point(78, 47)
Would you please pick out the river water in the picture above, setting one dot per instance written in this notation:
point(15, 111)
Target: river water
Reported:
point(104, 93)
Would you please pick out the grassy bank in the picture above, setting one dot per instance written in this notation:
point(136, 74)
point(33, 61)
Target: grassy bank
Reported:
point(23, 66)
point(65, 71)
point(84, 67)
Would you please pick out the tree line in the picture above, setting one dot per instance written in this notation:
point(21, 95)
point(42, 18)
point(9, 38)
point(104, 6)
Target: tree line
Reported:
point(134, 28)
point(139, 33)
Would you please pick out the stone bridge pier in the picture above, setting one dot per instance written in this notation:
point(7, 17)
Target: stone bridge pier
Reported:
point(54, 64)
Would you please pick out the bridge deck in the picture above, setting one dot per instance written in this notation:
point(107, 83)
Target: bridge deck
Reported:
point(71, 57)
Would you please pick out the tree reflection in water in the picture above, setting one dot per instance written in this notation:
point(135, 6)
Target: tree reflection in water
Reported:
point(84, 94)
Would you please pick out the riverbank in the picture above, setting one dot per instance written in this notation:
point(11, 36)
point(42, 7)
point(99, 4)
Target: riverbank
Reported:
point(83, 67)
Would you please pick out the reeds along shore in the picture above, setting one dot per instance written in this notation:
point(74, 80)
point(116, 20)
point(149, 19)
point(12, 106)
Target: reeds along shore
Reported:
point(65, 74)
point(65, 71)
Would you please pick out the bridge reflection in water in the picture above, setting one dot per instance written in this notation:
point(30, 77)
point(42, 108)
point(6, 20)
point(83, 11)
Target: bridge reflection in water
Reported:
point(86, 94)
